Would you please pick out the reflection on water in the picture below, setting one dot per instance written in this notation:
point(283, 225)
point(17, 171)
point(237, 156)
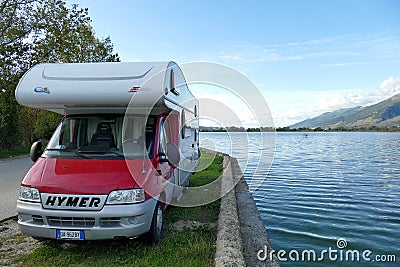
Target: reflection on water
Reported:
point(323, 187)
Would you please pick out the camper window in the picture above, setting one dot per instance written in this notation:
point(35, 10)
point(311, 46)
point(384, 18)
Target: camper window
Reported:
point(100, 136)
point(162, 140)
point(165, 136)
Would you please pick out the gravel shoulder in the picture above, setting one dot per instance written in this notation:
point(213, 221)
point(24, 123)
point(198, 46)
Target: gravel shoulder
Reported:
point(13, 243)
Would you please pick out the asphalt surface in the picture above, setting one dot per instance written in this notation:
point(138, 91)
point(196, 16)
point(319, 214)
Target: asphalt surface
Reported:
point(12, 171)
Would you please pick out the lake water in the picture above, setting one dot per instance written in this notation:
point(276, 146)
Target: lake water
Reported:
point(321, 188)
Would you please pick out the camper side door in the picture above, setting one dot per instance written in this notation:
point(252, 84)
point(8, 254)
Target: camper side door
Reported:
point(163, 166)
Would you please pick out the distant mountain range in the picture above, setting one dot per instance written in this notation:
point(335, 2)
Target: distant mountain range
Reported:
point(385, 113)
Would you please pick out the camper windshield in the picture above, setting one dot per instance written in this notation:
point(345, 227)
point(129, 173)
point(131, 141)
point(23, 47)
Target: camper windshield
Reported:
point(93, 136)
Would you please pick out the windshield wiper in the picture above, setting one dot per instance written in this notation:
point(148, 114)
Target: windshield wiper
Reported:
point(80, 154)
point(115, 153)
point(99, 152)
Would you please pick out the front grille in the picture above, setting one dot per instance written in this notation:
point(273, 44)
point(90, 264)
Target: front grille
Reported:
point(110, 222)
point(37, 219)
point(71, 221)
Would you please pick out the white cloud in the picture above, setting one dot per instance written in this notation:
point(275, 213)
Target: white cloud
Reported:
point(326, 102)
point(290, 116)
point(291, 108)
point(221, 108)
point(338, 101)
point(350, 46)
point(236, 57)
point(389, 87)
point(343, 64)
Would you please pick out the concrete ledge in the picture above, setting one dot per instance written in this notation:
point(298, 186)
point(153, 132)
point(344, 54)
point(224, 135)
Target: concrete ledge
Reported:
point(229, 241)
point(241, 232)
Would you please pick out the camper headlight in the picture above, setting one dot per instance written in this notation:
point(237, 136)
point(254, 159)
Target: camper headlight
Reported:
point(29, 194)
point(125, 196)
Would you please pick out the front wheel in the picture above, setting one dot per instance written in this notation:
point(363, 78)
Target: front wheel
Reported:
point(154, 235)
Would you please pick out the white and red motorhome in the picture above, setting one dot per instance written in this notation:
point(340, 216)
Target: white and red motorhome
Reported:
point(125, 148)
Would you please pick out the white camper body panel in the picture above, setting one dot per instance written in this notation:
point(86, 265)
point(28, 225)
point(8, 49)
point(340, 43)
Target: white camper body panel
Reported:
point(103, 87)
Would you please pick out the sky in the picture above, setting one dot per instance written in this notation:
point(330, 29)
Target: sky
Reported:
point(306, 57)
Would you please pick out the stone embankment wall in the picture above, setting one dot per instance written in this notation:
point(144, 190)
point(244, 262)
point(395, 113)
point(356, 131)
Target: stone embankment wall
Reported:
point(241, 232)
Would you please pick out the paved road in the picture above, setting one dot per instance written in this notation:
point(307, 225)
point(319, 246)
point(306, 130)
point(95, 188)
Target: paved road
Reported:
point(12, 171)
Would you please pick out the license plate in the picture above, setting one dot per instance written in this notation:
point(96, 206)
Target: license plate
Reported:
point(70, 235)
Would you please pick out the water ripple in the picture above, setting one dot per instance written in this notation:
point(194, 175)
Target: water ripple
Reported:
point(327, 186)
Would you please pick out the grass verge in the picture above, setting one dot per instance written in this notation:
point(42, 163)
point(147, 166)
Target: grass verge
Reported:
point(190, 246)
point(15, 152)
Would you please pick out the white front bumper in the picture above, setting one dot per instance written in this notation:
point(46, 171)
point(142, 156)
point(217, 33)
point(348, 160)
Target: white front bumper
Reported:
point(113, 221)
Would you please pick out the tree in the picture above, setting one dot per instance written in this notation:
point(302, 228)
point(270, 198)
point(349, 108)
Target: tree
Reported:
point(15, 26)
point(65, 35)
point(32, 32)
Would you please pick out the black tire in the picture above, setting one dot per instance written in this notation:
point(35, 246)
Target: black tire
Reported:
point(154, 235)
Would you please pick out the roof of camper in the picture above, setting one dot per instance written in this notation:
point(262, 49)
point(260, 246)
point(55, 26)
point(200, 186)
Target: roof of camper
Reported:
point(58, 87)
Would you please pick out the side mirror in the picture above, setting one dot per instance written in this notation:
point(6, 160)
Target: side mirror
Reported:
point(36, 151)
point(173, 154)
